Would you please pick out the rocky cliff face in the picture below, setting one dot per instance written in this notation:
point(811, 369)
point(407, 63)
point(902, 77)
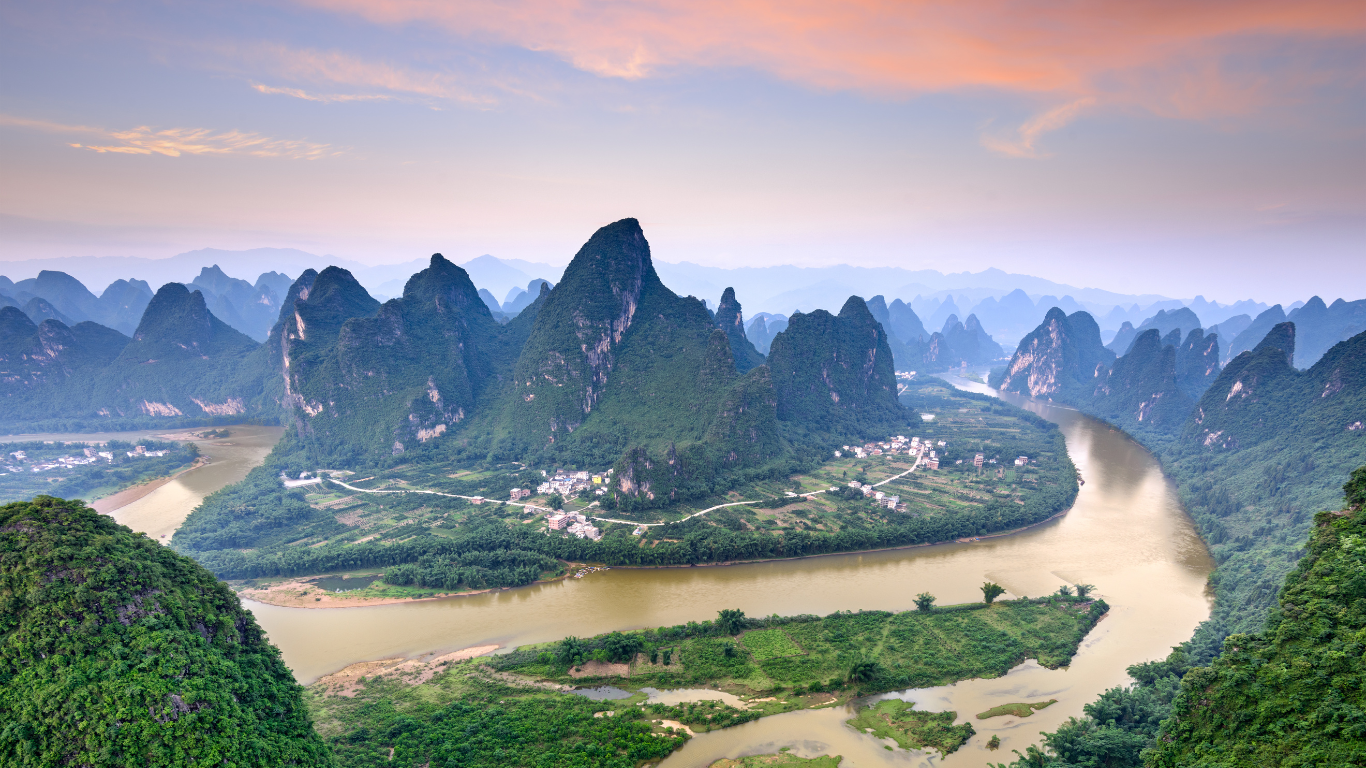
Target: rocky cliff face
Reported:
point(411, 372)
point(731, 319)
point(1197, 363)
point(573, 349)
point(1062, 359)
point(1252, 398)
point(1141, 390)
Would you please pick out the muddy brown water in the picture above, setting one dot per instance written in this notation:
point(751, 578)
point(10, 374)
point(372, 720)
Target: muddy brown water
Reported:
point(161, 511)
point(1127, 534)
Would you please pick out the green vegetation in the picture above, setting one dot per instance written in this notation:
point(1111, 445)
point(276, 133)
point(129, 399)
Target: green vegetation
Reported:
point(806, 657)
point(1289, 695)
point(117, 651)
point(259, 529)
point(780, 760)
point(105, 475)
point(465, 717)
point(1017, 709)
point(703, 716)
point(991, 590)
point(511, 710)
point(911, 728)
point(765, 644)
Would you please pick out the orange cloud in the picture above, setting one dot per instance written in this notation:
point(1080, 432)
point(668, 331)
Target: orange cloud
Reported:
point(896, 47)
point(1023, 143)
point(174, 142)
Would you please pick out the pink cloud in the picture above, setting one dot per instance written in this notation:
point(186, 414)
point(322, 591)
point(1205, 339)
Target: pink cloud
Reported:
point(1161, 54)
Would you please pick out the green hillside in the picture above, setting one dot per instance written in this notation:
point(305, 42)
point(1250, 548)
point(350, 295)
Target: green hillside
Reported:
point(1141, 393)
point(394, 376)
point(116, 651)
point(834, 377)
point(1291, 694)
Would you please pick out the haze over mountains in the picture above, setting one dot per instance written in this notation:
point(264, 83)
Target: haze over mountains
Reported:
point(245, 288)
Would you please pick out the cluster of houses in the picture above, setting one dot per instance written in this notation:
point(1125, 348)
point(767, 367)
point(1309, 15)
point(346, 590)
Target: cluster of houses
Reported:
point(570, 483)
point(140, 451)
point(915, 446)
point(575, 524)
point(89, 456)
point(882, 499)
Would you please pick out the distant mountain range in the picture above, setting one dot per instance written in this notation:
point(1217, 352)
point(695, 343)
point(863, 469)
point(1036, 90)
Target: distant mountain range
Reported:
point(1007, 305)
point(1258, 444)
point(607, 367)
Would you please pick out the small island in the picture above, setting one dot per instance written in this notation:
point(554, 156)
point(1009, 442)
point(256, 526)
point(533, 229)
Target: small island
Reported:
point(599, 696)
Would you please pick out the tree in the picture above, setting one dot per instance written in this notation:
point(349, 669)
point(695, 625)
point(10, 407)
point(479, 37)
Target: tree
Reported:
point(556, 501)
point(1085, 589)
point(924, 601)
point(731, 621)
point(864, 670)
point(991, 590)
point(570, 651)
point(1065, 591)
point(622, 647)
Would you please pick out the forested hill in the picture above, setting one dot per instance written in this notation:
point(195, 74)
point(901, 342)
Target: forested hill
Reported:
point(609, 367)
point(182, 365)
point(1258, 453)
point(366, 380)
point(116, 651)
point(1291, 694)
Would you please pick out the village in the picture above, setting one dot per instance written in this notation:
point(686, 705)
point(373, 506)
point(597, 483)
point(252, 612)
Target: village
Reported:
point(19, 460)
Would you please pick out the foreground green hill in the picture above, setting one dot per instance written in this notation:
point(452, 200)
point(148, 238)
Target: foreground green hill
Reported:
point(1292, 694)
point(116, 651)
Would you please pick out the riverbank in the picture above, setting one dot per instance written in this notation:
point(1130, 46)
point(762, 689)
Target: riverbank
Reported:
point(299, 593)
point(303, 594)
point(112, 503)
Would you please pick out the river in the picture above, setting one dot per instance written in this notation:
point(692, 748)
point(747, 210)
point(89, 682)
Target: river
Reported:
point(1127, 534)
point(159, 512)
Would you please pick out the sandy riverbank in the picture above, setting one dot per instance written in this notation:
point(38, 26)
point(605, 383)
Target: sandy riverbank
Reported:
point(116, 501)
point(301, 594)
point(346, 682)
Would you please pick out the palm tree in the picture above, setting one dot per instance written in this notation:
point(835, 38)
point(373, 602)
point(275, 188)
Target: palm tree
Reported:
point(864, 670)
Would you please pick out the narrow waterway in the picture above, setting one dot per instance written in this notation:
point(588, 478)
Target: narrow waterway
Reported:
point(1127, 534)
point(160, 512)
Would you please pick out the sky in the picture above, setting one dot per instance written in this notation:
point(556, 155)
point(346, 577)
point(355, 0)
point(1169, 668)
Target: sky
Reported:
point(1148, 146)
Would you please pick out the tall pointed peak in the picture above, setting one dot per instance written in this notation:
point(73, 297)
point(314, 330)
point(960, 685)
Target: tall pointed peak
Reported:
point(443, 280)
point(1281, 337)
point(855, 308)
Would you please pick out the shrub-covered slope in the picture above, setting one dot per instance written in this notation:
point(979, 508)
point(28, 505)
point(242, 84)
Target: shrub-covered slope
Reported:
point(1292, 694)
point(833, 374)
point(116, 651)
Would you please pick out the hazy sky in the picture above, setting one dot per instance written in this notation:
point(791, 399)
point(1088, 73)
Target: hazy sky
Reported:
point(1175, 147)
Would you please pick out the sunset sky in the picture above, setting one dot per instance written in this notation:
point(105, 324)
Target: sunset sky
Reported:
point(1167, 147)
